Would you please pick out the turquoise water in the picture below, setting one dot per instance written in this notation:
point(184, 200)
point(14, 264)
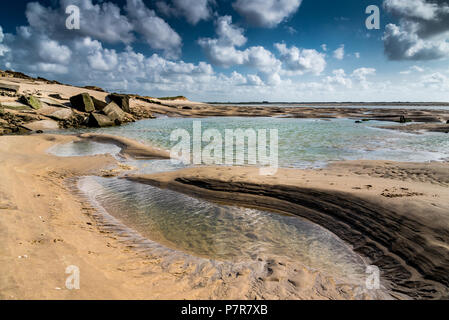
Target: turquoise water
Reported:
point(306, 142)
point(293, 105)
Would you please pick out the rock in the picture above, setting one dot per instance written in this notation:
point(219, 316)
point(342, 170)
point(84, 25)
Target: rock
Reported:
point(63, 114)
point(31, 101)
point(56, 96)
point(100, 120)
point(41, 125)
point(15, 105)
point(358, 121)
point(113, 111)
point(122, 100)
point(9, 87)
point(447, 122)
point(82, 102)
point(52, 102)
point(98, 104)
point(402, 119)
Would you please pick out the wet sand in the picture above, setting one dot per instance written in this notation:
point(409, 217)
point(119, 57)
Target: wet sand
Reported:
point(392, 213)
point(47, 226)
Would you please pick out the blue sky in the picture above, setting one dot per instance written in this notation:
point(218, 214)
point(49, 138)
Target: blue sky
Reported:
point(236, 50)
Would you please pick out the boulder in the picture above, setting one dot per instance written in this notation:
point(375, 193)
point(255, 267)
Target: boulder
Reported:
point(122, 100)
point(100, 120)
point(9, 87)
point(98, 104)
point(82, 102)
point(31, 101)
point(113, 111)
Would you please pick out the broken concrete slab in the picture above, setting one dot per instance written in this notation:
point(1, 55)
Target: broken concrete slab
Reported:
point(99, 105)
point(122, 100)
point(113, 111)
point(31, 101)
point(100, 120)
point(82, 102)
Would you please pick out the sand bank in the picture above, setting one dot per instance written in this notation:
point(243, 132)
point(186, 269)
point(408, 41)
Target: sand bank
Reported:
point(129, 147)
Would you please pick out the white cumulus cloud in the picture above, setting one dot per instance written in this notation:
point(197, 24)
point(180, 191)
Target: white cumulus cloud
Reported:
point(301, 61)
point(156, 32)
point(266, 13)
point(422, 32)
point(223, 50)
point(339, 53)
point(193, 10)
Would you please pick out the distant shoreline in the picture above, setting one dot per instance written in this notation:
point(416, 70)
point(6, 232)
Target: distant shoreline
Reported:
point(336, 104)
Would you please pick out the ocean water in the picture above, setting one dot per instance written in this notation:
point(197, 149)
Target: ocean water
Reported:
point(293, 105)
point(306, 142)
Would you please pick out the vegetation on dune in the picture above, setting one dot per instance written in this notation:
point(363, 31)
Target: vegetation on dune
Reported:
point(173, 98)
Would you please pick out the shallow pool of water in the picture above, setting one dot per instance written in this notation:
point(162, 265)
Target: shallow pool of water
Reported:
point(221, 232)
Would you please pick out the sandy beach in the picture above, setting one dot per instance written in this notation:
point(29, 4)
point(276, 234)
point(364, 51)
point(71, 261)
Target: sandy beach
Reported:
point(46, 226)
point(392, 214)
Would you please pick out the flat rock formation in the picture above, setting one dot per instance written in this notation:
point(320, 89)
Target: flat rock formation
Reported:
point(400, 225)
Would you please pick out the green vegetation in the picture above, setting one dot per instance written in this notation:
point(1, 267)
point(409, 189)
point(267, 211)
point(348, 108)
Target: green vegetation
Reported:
point(173, 98)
